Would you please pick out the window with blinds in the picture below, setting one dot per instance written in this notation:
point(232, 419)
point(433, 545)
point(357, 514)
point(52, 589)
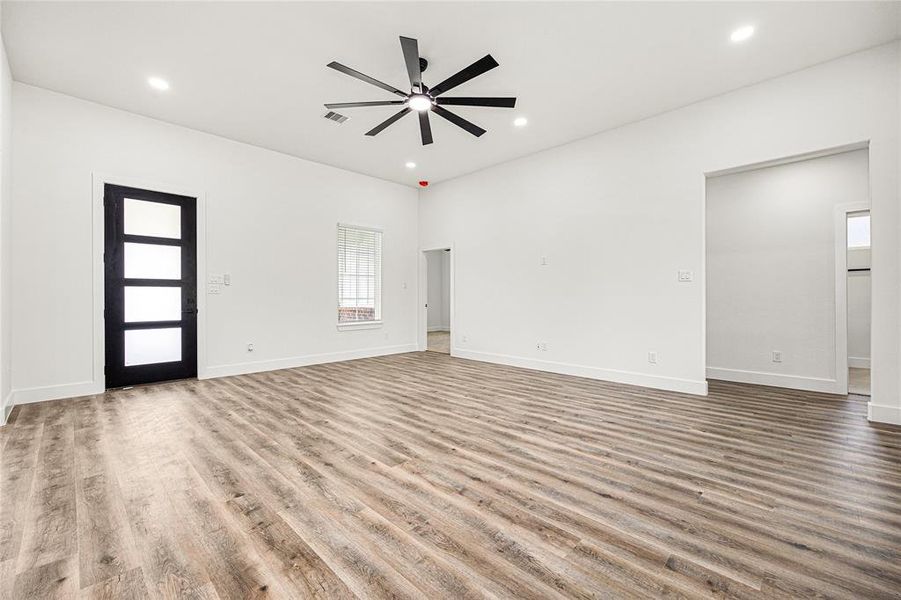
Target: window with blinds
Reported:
point(359, 275)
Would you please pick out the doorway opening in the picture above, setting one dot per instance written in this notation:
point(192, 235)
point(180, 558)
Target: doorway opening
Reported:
point(150, 286)
point(857, 227)
point(438, 300)
point(776, 275)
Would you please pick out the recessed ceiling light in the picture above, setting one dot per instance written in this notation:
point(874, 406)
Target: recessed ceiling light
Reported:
point(520, 121)
point(158, 83)
point(411, 165)
point(742, 33)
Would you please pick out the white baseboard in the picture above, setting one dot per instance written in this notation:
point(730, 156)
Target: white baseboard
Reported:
point(301, 361)
point(7, 407)
point(880, 413)
point(88, 388)
point(795, 382)
point(688, 386)
point(857, 362)
point(56, 392)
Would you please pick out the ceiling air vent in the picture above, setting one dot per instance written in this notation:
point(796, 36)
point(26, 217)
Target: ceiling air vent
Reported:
point(333, 116)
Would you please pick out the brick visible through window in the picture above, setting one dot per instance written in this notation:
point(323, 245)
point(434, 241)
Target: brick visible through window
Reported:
point(346, 313)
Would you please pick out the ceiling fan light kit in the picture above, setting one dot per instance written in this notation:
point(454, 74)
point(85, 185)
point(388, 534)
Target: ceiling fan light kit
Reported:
point(423, 100)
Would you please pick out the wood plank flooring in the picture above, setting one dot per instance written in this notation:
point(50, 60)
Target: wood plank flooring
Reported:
point(439, 341)
point(859, 381)
point(425, 476)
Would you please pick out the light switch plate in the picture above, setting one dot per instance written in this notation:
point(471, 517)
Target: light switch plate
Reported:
point(685, 276)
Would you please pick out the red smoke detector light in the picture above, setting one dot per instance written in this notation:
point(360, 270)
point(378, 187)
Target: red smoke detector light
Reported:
point(423, 183)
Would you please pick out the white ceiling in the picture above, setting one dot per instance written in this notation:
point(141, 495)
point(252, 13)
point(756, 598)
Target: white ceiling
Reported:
point(255, 72)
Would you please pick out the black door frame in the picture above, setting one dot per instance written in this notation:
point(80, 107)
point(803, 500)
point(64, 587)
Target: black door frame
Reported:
point(117, 374)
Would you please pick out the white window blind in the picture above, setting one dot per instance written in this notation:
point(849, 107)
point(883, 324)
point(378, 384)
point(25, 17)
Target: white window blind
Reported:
point(359, 275)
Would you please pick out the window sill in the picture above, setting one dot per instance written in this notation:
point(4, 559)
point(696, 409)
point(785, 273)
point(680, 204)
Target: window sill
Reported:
point(359, 325)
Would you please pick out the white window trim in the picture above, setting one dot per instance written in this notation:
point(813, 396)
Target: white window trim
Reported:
point(360, 325)
point(350, 326)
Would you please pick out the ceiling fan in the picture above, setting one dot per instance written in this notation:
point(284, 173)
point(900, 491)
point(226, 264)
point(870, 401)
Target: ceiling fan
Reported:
point(423, 99)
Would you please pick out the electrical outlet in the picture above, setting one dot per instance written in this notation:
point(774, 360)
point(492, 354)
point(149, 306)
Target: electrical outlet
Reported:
point(652, 357)
point(250, 347)
point(777, 356)
point(686, 276)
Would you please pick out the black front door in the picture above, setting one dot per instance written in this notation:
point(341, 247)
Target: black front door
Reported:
point(150, 264)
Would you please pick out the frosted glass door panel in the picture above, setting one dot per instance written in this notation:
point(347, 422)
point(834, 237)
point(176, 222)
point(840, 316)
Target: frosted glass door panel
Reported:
point(152, 261)
point(152, 304)
point(152, 218)
point(150, 251)
point(150, 346)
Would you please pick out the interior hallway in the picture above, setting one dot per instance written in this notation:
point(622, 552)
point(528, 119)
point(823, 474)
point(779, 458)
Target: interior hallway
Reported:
point(439, 341)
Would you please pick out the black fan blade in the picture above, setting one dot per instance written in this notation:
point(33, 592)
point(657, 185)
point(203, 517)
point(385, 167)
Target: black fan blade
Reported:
point(495, 102)
point(425, 128)
point(359, 104)
point(458, 121)
point(486, 63)
point(411, 56)
point(378, 128)
point(354, 73)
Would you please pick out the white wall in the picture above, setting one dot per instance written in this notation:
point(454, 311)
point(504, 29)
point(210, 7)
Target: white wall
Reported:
point(859, 315)
point(619, 213)
point(437, 265)
point(886, 410)
point(270, 222)
point(5, 235)
point(771, 272)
